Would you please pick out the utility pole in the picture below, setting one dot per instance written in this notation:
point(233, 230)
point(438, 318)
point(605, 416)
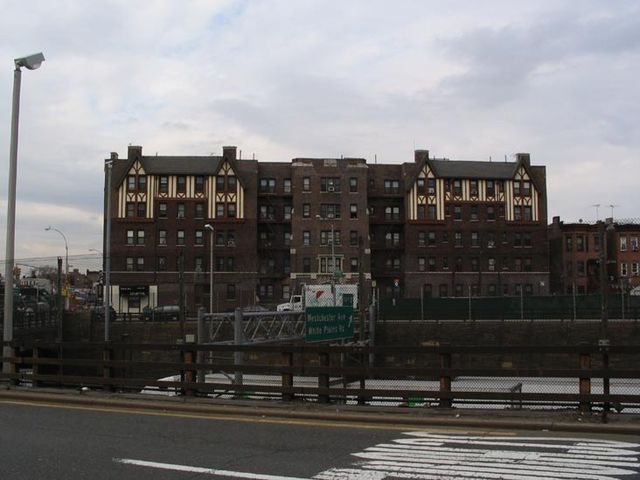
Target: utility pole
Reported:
point(181, 301)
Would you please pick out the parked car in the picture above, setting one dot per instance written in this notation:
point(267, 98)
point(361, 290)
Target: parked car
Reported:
point(161, 313)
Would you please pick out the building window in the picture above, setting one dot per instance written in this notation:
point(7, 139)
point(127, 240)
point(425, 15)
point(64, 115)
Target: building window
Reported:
point(473, 188)
point(199, 210)
point(286, 185)
point(431, 212)
point(526, 188)
point(518, 264)
point(568, 243)
point(306, 238)
point(491, 188)
point(354, 265)
point(353, 238)
point(516, 188)
point(634, 268)
point(391, 186)
point(353, 211)
point(142, 183)
point(421, 212)
point(457, 212)
point(162, 237)
point(199, 264)
point(579, 243)
point(180, 237)
point(162, 210)
point(457, 188)
point(129, 264)
point(162, 263)
point(131, 183)
point(231, 291)
point(623, 270)
point(267, 212)
point(231, 238)
point(181, 184)
point(517, 213)
point(163, 184)
point(491, 240)
point(199, 236)
point(422, 239)
point(219, 264)
point(231, 210)
point(527, 264)
point(140, 264)
point(130, 237)
point(580, 268)
point(474, 213)
point(330, 210)
point(306, 210)
point(517, 239)
point(392, 239)
point(445, 263)
point(431, 263)
point(528, 214)
point(140, 237)
point(199, 184)
point(475, 264)
point(431, 186)
point(526, 239)
point(142, 210)
point(287, 239)
point(219, 239)
point(491, 213)
point(392, 213)
point(267, 185)
point(353, 184)
point(634, 244)
point(443, 290)
point(286, 289)
point(623, 244)
point(230, 264)
point(457, 239)
point(306, 184)
point(220, 182)
point(458, 267)
point(475, 239)
point(180, 210)
point(422, 264)
point(287, 211)
point(231, 183)
point(458, 290)
point(491, 264)
point(306, 265)
point(330, 184)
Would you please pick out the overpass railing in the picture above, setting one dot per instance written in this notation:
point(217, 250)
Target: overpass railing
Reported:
point(584, 377)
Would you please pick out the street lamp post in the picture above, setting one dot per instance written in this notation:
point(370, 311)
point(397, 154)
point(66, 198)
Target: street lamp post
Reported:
point(66, 250)
point(209, 227)
point(30, 62)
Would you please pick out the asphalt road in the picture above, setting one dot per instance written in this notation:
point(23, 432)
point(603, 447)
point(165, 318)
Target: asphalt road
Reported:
point(53, 442)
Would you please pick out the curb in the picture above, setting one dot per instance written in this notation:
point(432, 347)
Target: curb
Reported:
point(524, 420)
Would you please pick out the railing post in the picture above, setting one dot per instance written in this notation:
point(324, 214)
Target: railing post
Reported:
point(604, 344)
point(107, 370)
point(189, 373)
point(585, 382)
point(200, 341)
point(445, 377)
point(323, 378)
point(238, 339)
point(287, 377)
point(35, 366)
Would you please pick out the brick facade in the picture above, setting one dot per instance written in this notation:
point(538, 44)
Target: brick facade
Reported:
point(430, 227)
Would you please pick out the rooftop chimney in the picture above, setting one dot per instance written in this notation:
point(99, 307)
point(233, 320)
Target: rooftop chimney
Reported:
point(524, 158)
point(134, 152)
point(420, 155)
point(113, 156)
point(229, 153)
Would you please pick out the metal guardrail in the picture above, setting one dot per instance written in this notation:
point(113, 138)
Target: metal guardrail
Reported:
point(443, 376)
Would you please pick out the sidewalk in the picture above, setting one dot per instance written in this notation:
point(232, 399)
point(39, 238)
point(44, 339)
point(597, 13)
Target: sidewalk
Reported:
point(411, 417)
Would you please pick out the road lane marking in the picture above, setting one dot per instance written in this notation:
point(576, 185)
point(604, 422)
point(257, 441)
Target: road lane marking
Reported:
point(447, 457)
point(208, 471)
point(247, 419)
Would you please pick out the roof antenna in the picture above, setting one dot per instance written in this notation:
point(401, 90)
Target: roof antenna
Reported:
point(254, 156)
point(597, 206)
point(489, 157)
point(240, 157)
point(505, 159)
point(612, 207)
point(375, 156)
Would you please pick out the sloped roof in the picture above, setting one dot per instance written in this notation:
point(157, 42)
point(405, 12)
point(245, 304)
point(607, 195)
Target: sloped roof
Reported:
point(174, 165)
point(472, 169)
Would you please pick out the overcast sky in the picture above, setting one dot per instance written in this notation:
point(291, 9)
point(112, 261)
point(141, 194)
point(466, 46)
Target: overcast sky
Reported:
point(466, 80)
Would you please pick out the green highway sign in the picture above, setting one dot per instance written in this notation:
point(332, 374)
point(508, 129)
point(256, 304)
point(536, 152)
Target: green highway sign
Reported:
point(328, 323)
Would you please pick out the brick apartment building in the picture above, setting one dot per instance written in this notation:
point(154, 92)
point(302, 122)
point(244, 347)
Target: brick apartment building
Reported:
point(576, 252)
point(431, 227)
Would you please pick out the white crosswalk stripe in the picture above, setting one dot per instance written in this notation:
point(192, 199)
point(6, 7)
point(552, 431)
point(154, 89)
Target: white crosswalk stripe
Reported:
point(422, 455)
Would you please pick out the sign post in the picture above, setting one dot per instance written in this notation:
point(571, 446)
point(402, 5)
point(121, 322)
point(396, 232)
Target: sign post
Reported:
point(328, 323)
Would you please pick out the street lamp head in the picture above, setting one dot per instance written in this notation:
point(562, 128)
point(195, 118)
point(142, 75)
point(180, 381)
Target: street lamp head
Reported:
point(30, 62)
point(208, 226)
